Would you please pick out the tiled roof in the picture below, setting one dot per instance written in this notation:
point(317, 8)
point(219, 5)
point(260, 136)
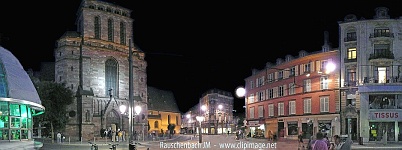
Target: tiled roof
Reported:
point(161, 100)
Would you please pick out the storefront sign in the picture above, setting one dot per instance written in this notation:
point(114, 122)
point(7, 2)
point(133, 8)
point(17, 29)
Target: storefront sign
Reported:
point(253, 123)
point(386, 115)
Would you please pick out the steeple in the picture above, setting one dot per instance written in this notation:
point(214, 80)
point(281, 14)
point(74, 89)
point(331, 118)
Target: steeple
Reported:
point(327, 46)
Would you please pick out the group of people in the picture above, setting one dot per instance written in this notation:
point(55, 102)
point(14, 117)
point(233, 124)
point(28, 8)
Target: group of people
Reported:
point(117, 136)
point(321, 142)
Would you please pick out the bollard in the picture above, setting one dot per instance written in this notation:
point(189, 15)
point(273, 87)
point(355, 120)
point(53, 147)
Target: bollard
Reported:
point(94, 140)
point(81, 140)
point(68, 140)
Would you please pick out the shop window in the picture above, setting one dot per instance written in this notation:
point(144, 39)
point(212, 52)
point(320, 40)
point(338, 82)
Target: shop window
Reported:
point(15, 110)
point(378, 129)
point(324, 126)
point(15, 122)
point(292, 128)
point(4, 121)
point(24, 112)
point(24, 134)
point(15, 134)
point(24, 123)
point(382, 102)
point(4, 135)
point(4, 108)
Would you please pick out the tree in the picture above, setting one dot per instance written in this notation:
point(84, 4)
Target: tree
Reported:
point(55, 97)
point(171, 128)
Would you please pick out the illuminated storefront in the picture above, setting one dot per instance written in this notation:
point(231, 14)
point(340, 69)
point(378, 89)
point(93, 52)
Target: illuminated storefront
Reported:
point(19, 100)
point(381, 116)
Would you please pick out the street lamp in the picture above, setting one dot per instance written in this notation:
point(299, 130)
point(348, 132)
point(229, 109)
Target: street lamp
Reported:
point(200, 119)
point(137, 110)
point(123, 109)
point(220, 118)
point(203, 109)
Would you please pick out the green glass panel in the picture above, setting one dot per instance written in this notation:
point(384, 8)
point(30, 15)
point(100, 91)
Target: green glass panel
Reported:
point(15, 110)
point(30, 123)
point(15, 122)
point(4, 134)
point(29, 112)
point(24, 123)
point(24, 134)
point(3, 108)
point(15, 134)
point(4, 122)
point(24, 112)
point(3, 82)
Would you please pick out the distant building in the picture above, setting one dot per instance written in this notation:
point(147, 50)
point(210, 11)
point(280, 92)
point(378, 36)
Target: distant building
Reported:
point(218, 113)
point(93, 61)
point(189, 121)
point(162, 110)
point(296, 94)
point(371, 82)
point(19, 101)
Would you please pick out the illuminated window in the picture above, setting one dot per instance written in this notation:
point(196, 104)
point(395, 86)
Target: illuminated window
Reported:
point(352, 53)
point(15, 110)
point(323, 83)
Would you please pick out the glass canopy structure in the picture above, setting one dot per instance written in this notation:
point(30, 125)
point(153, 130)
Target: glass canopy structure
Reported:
point(19, 100)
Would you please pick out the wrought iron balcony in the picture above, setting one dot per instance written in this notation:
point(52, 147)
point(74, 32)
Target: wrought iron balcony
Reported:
point(375, 79)
point(350, 39)
point(386, 55)
point(347, 60)
point(376, 35)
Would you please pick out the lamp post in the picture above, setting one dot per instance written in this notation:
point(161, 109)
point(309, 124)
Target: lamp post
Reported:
point(122, 109)
point(220, 118)
point(137, 110)
point(203, 109)
point(200, 119)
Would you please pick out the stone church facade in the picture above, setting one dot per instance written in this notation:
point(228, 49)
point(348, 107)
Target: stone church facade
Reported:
point(94, 59)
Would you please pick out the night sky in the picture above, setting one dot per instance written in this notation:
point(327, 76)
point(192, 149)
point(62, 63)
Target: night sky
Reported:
point(192, 46)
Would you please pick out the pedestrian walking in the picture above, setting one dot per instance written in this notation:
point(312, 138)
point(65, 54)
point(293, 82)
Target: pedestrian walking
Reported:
point(58, 136)
point(300, 137)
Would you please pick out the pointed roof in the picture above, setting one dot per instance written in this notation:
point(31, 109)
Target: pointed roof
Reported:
point(161, 100)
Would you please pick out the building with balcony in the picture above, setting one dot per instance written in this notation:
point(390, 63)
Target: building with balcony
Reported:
point(217, 111)
point(19, 103)
point(371, 95)
point(162, 111)
point(296, 94)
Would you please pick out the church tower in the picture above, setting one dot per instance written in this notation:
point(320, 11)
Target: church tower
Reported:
point(93, 61)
